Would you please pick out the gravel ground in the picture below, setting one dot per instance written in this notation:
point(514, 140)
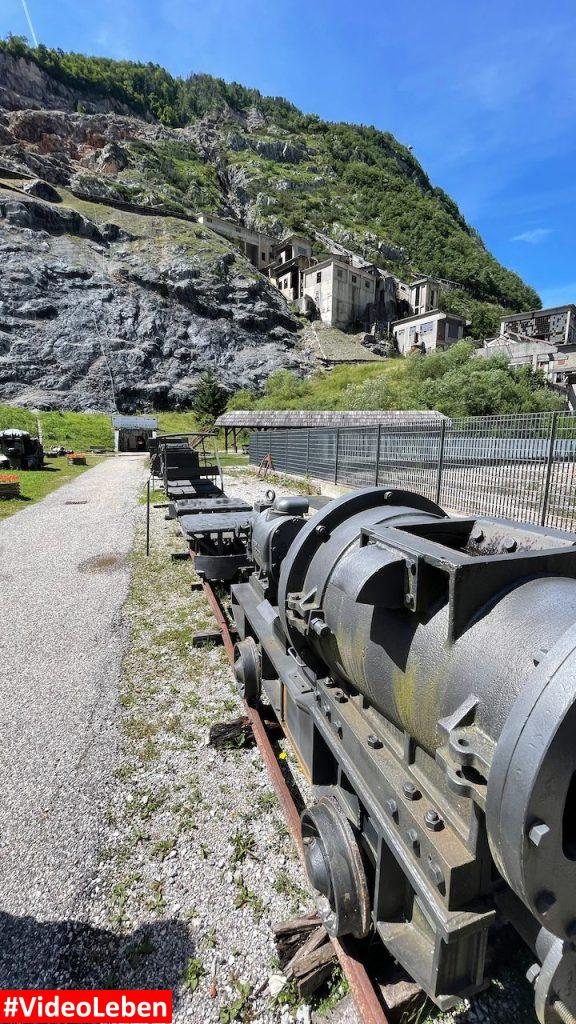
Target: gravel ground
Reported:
point(63, 579)
point(198, 864)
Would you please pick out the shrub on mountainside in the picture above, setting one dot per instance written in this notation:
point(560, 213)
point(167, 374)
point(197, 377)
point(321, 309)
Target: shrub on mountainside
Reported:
point(457, 383)
point(454, 382)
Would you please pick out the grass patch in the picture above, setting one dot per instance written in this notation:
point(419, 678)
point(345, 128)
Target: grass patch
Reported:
point(177, 423)
point(233, 459)
point(35, 484)
point(77, 430)
point(21, 419)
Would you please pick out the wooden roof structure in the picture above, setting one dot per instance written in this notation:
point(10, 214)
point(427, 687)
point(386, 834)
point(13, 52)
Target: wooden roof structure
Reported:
point(291, 419)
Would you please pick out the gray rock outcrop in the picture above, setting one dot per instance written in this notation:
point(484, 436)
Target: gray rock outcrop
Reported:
point(128, 313)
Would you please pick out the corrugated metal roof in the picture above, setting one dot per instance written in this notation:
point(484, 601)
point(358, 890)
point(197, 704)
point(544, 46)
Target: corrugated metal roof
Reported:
point(135, 422)
point(309, 418)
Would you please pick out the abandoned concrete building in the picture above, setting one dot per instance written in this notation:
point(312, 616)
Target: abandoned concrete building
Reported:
point(343, 289)
point(256, 246)
point(290, 258)
point(428, 331)
point(424, 295)
point(340, 292)
point(521, 351)
point(556, 324)
point(549, 347)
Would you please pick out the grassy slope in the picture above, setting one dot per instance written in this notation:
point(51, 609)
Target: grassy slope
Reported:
point(77, 430)
point(22, 419)
point(326, 389)
point(36, 484)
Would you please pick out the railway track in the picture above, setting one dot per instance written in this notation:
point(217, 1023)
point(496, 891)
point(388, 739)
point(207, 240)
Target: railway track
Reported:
point(339, 609)
point(364, 988)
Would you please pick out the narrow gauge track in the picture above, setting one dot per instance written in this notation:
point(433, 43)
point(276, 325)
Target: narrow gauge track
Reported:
point(363, 988)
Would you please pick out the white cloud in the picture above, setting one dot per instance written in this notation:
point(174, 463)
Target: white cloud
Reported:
point(534, 236)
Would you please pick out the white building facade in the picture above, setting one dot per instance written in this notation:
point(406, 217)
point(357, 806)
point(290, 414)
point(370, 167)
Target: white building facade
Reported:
point(340, 291)
point(427, 332)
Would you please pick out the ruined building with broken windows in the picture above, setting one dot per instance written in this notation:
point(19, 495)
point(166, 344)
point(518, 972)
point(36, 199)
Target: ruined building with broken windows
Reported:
point(344, 290)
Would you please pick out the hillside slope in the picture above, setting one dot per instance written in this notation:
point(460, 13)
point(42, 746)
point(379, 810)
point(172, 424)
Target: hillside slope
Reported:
point(115, 133)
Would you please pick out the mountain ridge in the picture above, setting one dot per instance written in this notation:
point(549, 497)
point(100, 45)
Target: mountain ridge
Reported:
point(371, 164)
point(158, 295)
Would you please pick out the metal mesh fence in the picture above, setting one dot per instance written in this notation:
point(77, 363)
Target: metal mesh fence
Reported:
point(515, 467)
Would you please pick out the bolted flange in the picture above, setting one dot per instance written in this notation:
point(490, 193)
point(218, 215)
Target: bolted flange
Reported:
point(248, 669)
point(335, 869)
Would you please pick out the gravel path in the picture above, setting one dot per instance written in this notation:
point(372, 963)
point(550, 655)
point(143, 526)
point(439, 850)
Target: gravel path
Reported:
point(64, 577)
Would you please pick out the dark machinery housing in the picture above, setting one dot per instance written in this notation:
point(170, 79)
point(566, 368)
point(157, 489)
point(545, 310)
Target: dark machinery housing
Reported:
point(182, 463)
point(424, 668)
point(216, 527)
point(19, 450)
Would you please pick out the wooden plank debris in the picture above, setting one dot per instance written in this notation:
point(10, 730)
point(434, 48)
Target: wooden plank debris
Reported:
point(203, 637)
point(307, 956)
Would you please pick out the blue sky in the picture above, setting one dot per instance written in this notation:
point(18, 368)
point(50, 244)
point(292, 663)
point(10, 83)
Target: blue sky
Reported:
point(483, 90)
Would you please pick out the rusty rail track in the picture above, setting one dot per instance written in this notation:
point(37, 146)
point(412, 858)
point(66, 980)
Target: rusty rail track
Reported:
point(363, 989)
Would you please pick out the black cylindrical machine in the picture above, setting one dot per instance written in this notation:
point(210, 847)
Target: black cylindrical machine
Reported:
point(424, 666)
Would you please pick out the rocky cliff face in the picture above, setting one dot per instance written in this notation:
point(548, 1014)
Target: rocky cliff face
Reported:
point(24, 85)
point(128, 311)
point(109, 305)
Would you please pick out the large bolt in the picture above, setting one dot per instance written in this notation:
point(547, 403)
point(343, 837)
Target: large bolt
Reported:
point(319, 627)
point(374, 742)
point(392, 808)
point(410, 791)
point(433, 821)
point(538, 832)
point(435, 874)
point(562, 1011)
point(322, 531)
point(340, 696)
point(413, 839)
point(510, 544)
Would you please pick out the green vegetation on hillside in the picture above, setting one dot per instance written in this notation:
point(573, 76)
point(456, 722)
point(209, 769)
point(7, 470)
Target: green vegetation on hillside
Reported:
point(21, 419)
point(77, 430)
point(355, 182)
point(454, 382)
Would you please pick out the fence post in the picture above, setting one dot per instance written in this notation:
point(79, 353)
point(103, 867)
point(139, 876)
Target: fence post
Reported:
point(549, 464)
point(440, 461)
point(377, 467)
point(148, 517)
point(308, 451)
point(336, 459)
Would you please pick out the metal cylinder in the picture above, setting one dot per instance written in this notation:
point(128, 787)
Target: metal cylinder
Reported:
point(465, 639)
